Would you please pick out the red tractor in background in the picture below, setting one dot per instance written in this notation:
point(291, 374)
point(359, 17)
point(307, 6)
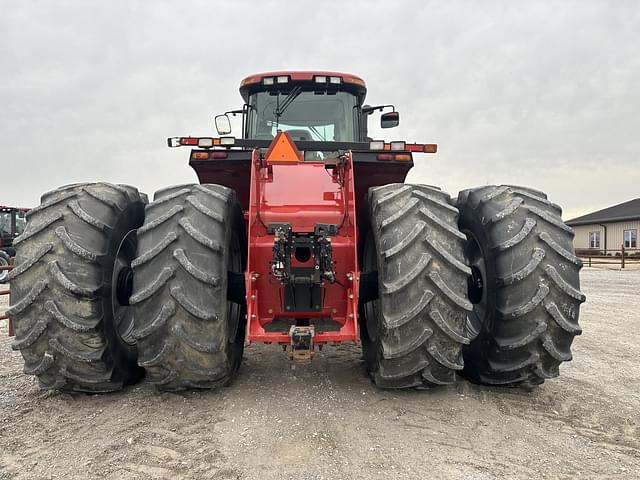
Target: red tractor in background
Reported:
point(12, 223)
point(301, 232)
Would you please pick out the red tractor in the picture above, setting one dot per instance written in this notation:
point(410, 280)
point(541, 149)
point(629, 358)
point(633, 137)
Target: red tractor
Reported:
point(12, 223)
point(300, 233)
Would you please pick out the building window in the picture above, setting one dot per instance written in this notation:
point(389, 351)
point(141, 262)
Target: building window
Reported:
point(631, 238)
point(594, 239)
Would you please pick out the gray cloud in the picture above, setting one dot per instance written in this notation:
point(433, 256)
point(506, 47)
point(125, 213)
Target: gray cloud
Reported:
point(537, 93)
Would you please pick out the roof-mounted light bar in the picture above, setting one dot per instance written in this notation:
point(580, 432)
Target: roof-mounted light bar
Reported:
point(331, 80)
point(280, 80)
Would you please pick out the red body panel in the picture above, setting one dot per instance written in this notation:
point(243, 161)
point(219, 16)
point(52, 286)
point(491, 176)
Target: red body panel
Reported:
point(369, 175)
point(302, 194)
point(234, 174)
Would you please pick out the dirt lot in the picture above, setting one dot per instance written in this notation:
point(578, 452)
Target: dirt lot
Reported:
point(328, 421)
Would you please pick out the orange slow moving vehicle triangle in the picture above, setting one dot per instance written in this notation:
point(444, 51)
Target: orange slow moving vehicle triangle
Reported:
point(283, 150)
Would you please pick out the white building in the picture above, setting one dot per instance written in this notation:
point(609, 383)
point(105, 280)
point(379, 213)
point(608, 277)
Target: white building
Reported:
point(609, 228)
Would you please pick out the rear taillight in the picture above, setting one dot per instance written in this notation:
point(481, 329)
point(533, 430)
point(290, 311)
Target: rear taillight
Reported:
point(430, 148)
point(208, 155)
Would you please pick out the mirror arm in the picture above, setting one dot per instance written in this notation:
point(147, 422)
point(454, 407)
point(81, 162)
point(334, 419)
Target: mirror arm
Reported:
point(370, 110)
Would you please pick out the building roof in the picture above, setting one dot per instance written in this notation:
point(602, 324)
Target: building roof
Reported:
point(618, 213)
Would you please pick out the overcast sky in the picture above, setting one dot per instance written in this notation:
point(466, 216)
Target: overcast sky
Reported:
point(545, 94)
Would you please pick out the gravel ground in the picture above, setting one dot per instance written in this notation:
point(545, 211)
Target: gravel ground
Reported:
point(327, 421)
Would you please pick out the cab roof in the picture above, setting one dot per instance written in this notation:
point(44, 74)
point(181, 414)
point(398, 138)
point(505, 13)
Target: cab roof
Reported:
point(348, 81)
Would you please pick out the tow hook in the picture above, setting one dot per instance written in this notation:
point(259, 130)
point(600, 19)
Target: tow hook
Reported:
point(301, 344)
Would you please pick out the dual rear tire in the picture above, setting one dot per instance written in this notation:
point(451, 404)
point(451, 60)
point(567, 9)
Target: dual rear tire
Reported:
point(189, 334)
point(91, 259)
point(525, 285)
point(71, 326)
point(486, 286)
point(413, 334)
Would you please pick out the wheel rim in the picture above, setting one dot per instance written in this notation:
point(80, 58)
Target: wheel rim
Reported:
point(3, 273)
point(477, 282)
point(122, 287)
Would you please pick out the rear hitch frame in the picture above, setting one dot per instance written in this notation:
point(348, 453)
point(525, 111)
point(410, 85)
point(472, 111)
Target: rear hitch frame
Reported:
point(302, 347)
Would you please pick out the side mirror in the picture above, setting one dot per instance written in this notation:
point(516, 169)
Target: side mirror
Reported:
point(389, 119)
point(223, 125)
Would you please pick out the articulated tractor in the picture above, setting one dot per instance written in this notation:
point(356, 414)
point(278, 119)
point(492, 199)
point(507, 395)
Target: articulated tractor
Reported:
point(301, 232)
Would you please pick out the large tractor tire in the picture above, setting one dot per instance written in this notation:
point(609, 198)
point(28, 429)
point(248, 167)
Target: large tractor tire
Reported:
point(4, 262)
point(413, 334)
point(525, 285)
point(70, 288)
point(189, 334)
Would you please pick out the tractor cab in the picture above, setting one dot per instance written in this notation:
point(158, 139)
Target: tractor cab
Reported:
point(12, 223)
point(309, 106)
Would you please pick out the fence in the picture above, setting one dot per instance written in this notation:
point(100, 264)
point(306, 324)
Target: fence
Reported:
point(622, 257)
point(4, 316)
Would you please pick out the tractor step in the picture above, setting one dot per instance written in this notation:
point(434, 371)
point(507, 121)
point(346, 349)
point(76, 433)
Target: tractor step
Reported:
point(301, 343)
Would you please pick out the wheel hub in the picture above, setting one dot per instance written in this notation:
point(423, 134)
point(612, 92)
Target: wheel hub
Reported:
point(476, 283)
point(122, 287)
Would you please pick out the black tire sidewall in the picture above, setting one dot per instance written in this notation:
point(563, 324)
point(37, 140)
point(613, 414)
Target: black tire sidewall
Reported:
point(236, 344)
point(371, 348)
